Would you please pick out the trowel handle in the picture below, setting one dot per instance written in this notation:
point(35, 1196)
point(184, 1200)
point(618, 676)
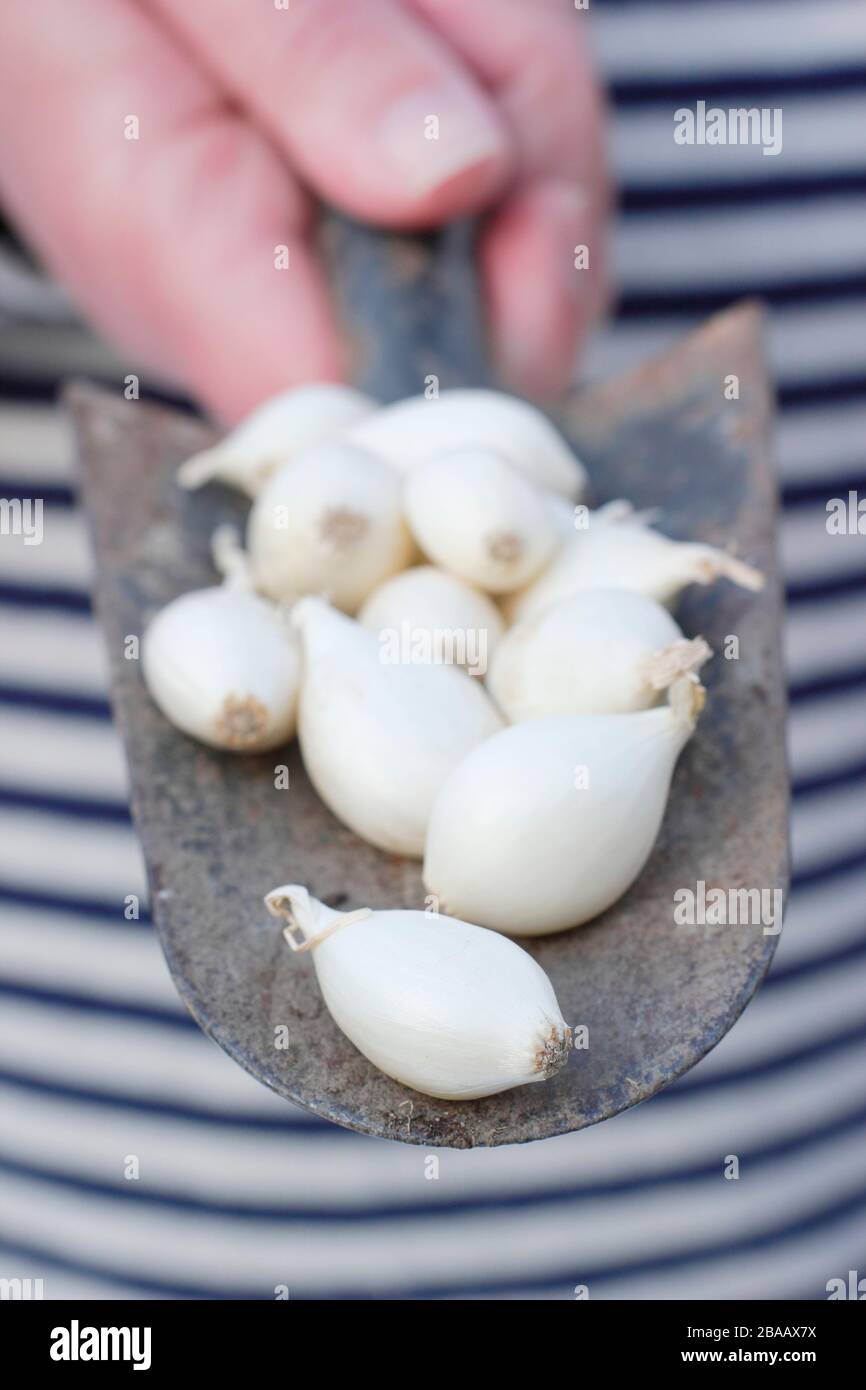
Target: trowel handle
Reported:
point(410, 306)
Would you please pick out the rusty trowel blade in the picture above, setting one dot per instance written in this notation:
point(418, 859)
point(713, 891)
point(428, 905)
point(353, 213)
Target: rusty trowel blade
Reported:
point(218, 834)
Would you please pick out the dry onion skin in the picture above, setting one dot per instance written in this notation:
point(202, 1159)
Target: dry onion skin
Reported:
point(618, 549)
point(222, 663)
point(601, 651)
point(275, 432)
point(439, 1004)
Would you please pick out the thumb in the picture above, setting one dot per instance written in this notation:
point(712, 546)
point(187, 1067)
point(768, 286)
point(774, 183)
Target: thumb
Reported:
point(374, 109)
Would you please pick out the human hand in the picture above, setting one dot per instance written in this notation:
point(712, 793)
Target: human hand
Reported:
point(249, 113)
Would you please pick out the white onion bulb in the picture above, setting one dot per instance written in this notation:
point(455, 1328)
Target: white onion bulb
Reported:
point(601, 651)
point(222, 663)
point(438, 1004)
point(548, 823)
point(416, 430)
point(331, 523)
point(378, 739)
point(475, 516)
point(274, 433)
point(619, 550)
point(433, 611)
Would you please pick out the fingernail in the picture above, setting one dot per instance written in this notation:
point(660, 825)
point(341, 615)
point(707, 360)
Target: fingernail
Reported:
point(431, 136)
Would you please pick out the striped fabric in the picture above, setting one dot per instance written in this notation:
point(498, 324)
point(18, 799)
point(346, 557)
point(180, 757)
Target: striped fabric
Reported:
point(239, 1193)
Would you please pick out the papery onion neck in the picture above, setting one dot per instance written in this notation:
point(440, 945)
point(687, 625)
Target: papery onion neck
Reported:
point(200, 469)
point(680, 658)
point(230, 558)
point(711, 564)
point(687, 699)
point(621, 512)
point(292, 904)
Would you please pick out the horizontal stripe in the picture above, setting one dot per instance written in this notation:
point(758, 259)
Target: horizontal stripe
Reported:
point(88, 1002)
point(821, 134)
point(76, 905)
point(852, 955)
point(805, 345)
point(423, 1259)
point(741, 37)
point(124, 1050)
point(828, 687)
point(754, 192)
point(773, 1034)
point(808, 395)
point(52, 494)
point(826, 826)
point(830, 871)
point(60, 654)
point(702, 301)
point(818, 641)
point(638, 1144)
point(822, 920)
point(43, 435)
point(77, 808)
point(574, 1196)
point(44, 389)
point(54, 702)
point(77, 759)
point(812, 555)
point(827, 736)
point(804, 494)
point(194, 1111)
point(830, 780)
point(144, 1059)
point(738, 89)
point(93, 1005)
point(60, 597)
point(734, 253)
point(62, 558)
point(642, 1146)
point(55, 855)
point(65, 1283)
point(290, 1120)
point(85, 994)
point(793, 1269)
point(86, 955)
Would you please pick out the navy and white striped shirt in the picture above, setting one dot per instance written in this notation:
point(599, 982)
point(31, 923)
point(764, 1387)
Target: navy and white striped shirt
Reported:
point(239, 1192)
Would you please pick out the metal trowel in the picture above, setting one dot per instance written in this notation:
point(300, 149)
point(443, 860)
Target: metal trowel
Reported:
point(653, 996)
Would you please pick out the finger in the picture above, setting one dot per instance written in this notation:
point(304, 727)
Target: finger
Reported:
point(169, 239)
point(374, 109)
point(533, 56)
point(537, 305)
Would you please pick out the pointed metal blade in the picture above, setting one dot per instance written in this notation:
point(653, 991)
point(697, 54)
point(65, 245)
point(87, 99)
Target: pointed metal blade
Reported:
point(217, 833)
